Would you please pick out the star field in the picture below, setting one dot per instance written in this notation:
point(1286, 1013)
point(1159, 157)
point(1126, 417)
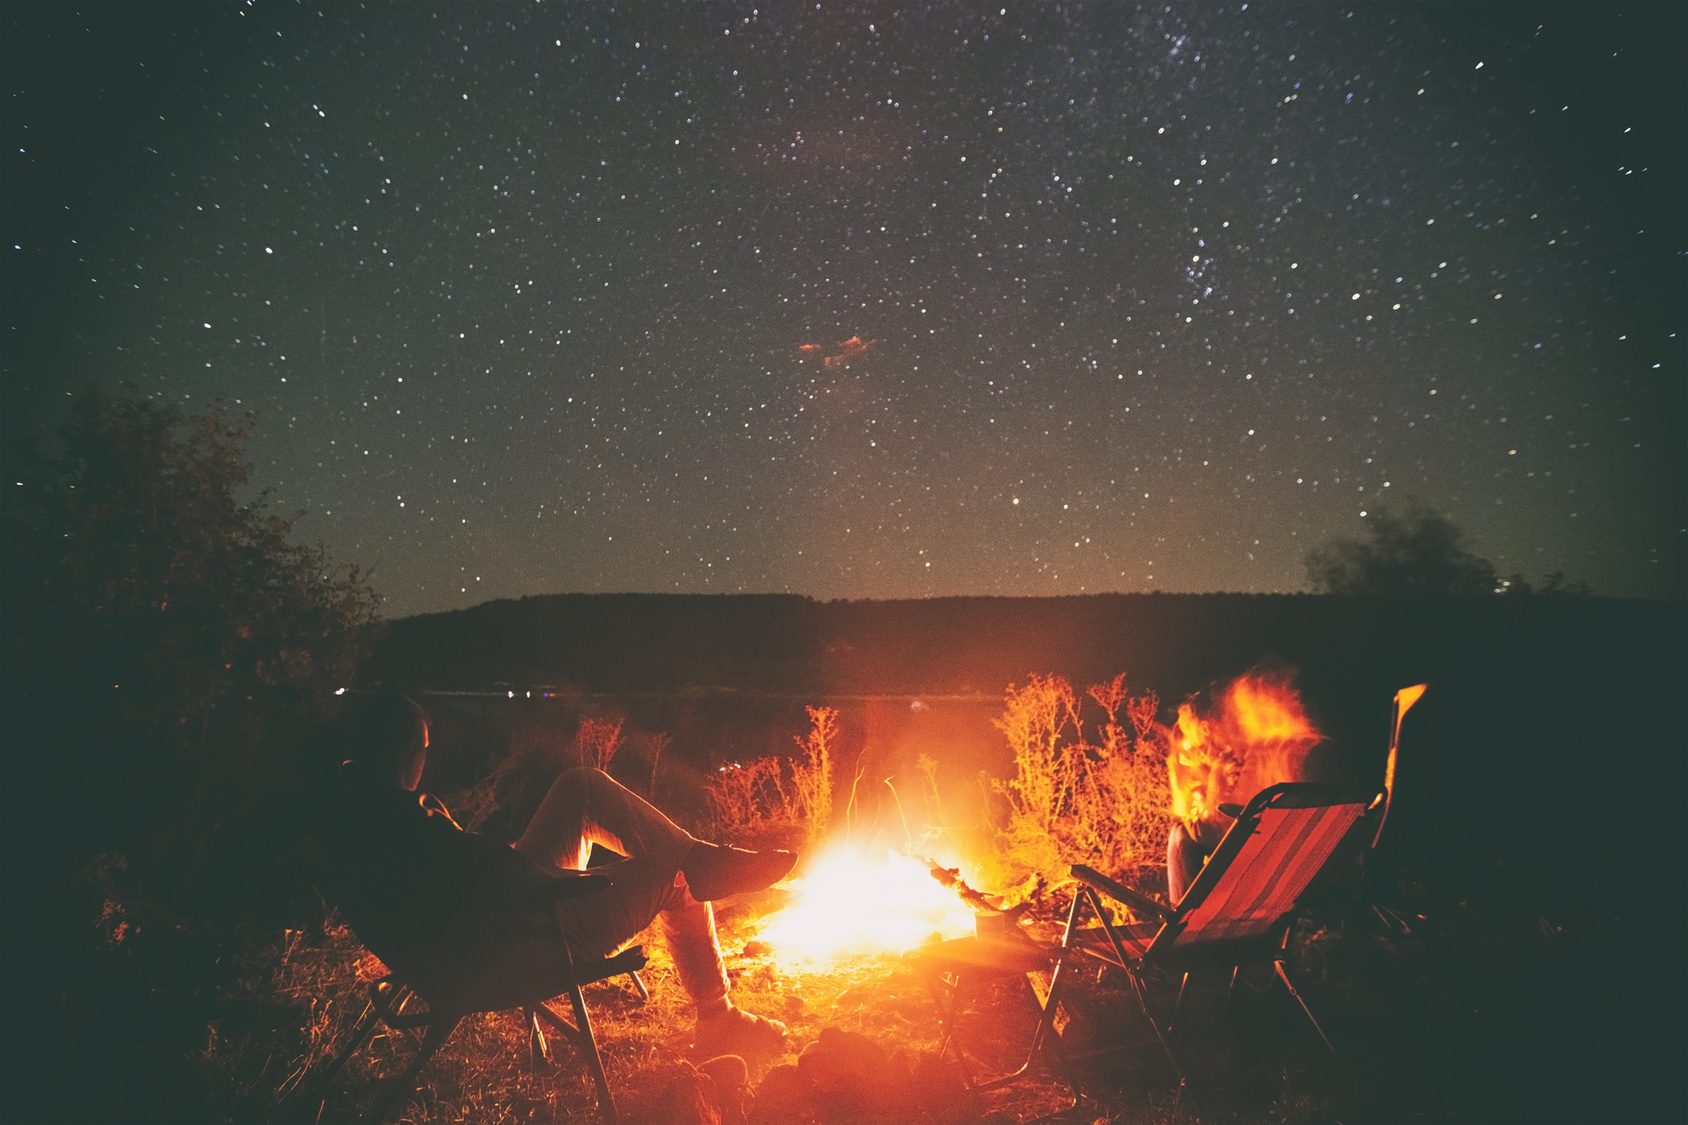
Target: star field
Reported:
point(1144, 297)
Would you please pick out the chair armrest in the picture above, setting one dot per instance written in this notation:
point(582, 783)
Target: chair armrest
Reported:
point(565, 887)
point(1122, 893)
point(629, 960)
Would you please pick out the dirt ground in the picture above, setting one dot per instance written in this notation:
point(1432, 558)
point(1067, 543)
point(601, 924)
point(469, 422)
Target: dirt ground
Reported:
point(1470, 1012)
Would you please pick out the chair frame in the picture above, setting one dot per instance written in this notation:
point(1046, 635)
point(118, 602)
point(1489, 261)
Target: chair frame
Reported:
point(952, 967)
point(389, 997)
point(1261, 942)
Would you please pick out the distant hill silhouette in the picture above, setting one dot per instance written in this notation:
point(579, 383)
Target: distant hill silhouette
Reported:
point(1349, 652)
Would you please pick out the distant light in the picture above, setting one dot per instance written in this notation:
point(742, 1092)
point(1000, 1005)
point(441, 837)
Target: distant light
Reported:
point(340, 691)
point(512, 695)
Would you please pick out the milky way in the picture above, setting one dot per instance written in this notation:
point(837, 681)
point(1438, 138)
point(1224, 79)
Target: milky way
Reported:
point(1095, 297)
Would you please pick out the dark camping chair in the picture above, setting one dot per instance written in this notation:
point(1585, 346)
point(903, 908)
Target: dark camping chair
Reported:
point(1236, 912)
point(517, 959)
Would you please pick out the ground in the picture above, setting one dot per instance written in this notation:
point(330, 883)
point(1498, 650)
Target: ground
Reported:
point(1483, 1006)
point(1403, 997)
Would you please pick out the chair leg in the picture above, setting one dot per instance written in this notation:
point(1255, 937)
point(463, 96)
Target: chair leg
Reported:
point(594, 1061)
point(1283, 975)
point(1178, 1004)
point(1141, 988)
point(361, 1031)
point(639, 985)
point(438, 1032)
point(538, 1049)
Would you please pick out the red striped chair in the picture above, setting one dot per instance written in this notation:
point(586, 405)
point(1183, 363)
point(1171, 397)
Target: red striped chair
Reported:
point(1236, 912)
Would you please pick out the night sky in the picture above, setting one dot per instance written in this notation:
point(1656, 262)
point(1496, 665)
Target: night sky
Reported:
point(1098, 297)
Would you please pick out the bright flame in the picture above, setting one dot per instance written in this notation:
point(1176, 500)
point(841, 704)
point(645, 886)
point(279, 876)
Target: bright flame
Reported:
point(853, 901)
point(1257, 736)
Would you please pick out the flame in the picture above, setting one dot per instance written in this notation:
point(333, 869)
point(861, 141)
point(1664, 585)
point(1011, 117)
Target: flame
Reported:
point(1257, 736)
point(854, 900)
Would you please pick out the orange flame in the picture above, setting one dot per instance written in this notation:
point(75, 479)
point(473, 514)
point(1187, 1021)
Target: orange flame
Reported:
point(1257, 736)
point(855, 901)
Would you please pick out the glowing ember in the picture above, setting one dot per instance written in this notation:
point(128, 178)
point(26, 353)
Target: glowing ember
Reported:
point(855, 901)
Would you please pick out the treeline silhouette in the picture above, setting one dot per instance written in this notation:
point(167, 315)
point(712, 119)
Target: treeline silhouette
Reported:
point(1349, 652)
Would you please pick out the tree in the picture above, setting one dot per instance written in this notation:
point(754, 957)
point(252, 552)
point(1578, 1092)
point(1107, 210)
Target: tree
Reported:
point(1419, 554)
point(153, 620)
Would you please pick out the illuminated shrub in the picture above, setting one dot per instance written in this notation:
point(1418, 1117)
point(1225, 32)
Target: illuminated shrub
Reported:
point(779, 799)
point(1074, 800)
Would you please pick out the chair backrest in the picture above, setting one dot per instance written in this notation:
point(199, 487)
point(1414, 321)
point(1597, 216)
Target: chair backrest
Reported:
point(1404, 700)
point(1280, 840)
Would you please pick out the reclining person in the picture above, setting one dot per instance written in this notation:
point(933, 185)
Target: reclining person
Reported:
point(442, 880)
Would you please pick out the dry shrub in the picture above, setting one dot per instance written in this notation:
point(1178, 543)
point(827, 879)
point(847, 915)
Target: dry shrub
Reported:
point(810, 800)
point(1074, 800)
point(746, 796)
point(472, 806)
point(778, 798)
point(597, 741)
point(519, 779)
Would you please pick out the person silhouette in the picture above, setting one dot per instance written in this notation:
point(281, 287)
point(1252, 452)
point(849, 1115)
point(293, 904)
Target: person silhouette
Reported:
point(446, 878)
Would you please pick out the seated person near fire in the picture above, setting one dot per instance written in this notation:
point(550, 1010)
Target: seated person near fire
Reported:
point(1258, 736)
point(444, 882)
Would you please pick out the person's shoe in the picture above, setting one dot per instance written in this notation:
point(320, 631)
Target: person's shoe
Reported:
point(737, 1032)
point(713, 871)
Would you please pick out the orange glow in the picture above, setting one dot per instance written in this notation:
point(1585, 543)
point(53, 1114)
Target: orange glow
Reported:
point(1257, 736)
point(807, 350)
point(854, 901)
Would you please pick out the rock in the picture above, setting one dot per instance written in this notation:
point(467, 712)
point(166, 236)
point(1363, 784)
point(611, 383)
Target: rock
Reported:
point(854, 1079)
point(941, 1091)
point(783, 1098)
point(686, 1100)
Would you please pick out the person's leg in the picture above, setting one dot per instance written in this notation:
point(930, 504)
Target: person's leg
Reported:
point(1184, 858)
point(585, 807)
point(688, 926)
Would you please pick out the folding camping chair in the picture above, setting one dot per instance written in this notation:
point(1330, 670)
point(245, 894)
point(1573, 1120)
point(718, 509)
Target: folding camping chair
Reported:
point(518, 959)
point(1236, 912)
point(448, 995)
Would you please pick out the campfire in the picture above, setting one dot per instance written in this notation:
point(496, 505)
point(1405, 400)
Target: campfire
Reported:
point(855, 899)
point(862, 900)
